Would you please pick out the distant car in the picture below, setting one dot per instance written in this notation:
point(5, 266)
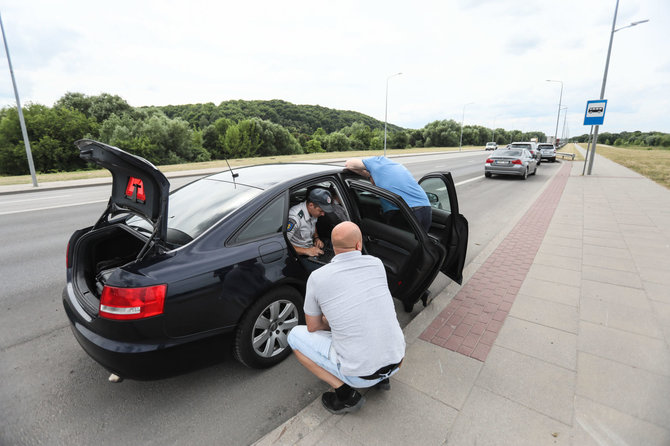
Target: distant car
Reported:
point(159, 271)
point(547, 151)
point(510, 162)
point(530, 146)
point(491, 145)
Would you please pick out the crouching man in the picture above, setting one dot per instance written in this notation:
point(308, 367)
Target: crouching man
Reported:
point(352, 339)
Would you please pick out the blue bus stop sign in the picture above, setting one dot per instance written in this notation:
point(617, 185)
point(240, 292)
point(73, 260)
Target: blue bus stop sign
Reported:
point(595, 112)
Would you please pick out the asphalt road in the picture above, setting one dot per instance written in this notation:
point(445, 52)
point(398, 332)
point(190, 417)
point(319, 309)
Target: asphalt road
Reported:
point(51, 392)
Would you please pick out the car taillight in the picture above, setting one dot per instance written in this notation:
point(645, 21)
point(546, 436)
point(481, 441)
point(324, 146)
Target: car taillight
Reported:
point(516, 162)
point(489, 160)
point(132, 303)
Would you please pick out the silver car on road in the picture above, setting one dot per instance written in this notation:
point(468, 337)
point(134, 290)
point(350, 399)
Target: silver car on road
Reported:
point(510, 162)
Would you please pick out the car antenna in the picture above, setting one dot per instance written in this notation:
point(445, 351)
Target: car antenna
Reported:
point(234, 175)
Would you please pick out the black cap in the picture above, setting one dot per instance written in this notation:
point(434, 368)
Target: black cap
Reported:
point(321, 198)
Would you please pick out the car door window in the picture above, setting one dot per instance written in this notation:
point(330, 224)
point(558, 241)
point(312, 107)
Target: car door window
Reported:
point(267, 222)
point(438, 194)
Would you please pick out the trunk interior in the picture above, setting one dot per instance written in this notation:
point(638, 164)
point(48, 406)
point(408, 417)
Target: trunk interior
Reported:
point(97, 255)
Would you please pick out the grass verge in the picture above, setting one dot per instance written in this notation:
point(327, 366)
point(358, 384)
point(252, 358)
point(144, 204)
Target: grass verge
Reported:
point(653, 163)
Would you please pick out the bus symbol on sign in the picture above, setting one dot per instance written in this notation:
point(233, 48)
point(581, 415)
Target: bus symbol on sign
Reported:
point(595, 112)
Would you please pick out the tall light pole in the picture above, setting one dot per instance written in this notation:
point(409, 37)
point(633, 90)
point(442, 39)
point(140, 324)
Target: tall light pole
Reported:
point(602, 89)
point(386, 107)
point(560, 98)
point(565, 117)
point(460, 144)
point(29, 154)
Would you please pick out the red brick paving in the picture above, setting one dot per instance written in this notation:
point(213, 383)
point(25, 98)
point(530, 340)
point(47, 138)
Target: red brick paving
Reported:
point(471, 321)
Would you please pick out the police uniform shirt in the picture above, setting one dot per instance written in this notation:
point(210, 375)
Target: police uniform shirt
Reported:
point(301, 226)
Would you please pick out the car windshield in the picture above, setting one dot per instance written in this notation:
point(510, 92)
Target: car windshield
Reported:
point(509, 153)
point(195, 207)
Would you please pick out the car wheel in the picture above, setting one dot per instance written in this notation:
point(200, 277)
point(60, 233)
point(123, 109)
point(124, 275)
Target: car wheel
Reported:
point(525, 174)
point(534, 170)
point(488, 174)
point(261, 338)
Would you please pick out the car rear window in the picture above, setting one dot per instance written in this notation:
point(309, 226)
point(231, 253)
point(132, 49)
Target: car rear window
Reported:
point(197, 206)
point(520, 146)
point(509, 153)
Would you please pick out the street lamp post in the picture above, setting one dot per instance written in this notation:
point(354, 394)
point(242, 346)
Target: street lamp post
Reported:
point(22, 122)
point(565, 117)
point(558, 118)
point(460, 144)
point(386, 107)
point(602, 89)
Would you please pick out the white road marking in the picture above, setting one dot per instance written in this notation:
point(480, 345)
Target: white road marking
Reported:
point(35, 199)
point(54, 207)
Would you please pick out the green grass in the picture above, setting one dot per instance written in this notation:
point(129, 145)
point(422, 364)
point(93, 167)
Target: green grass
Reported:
point(652, 162)
point(102, 173)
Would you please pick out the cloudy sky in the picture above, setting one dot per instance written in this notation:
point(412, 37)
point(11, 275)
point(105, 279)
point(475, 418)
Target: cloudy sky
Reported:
point(493, 55)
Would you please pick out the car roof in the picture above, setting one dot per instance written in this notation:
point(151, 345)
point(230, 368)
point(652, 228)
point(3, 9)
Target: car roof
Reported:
point(265, 176)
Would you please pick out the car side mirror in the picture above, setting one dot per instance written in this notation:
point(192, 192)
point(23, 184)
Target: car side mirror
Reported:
point(433, 199)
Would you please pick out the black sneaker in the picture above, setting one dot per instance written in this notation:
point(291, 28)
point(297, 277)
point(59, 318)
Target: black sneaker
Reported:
point(337, 406)
point(384, 384)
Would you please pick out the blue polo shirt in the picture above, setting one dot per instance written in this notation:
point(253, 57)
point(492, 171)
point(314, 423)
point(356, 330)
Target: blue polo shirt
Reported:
point(396, 178)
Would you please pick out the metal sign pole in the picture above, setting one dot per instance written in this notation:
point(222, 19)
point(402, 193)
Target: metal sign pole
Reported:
point(588, 148)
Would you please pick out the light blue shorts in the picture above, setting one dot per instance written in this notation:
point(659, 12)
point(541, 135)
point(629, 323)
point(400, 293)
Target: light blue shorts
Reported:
point(318, 346)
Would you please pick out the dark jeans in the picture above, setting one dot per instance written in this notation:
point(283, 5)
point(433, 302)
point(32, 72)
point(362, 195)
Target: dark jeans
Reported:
point(424, 216)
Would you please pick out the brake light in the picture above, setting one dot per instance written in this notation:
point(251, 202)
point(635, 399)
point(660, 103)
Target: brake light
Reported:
point(516, 162)
point(489, 160)
point(132, 303)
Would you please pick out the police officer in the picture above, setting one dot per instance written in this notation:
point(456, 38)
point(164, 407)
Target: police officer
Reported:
point(302, 220)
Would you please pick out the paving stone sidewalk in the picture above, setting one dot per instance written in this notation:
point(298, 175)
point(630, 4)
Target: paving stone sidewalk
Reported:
point(574, 352)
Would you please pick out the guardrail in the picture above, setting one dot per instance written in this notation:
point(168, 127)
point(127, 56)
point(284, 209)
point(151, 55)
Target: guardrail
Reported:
point(566, 155)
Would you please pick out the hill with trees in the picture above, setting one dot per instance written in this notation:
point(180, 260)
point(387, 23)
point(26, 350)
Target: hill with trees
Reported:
point(202, 132)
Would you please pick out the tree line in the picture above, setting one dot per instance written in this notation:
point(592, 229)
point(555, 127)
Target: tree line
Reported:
point(637, 138)
point(202, 132)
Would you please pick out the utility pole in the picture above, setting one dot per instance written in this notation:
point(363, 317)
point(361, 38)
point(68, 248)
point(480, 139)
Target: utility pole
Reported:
point(18, 108)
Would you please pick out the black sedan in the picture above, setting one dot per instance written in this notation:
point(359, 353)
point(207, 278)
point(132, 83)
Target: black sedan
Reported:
point(161, 270)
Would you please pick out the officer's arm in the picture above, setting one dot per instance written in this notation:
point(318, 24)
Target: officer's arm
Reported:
point(312, 251)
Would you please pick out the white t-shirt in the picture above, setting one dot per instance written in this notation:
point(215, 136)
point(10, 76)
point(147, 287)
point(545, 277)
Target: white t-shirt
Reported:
point(352, 292)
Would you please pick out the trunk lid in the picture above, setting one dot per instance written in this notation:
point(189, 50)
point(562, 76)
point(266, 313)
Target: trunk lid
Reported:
point(137, 185)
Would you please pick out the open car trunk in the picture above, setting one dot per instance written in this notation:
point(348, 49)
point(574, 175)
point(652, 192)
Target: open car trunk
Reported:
point(96, 255)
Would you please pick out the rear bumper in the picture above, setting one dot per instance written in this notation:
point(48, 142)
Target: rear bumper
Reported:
point(506, 170)
point(141, 359)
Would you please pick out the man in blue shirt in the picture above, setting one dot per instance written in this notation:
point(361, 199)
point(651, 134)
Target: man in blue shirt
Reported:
point(396, 178)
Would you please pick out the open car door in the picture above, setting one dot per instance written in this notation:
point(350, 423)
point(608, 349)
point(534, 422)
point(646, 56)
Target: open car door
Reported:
point(448, 225)
point(411, 257)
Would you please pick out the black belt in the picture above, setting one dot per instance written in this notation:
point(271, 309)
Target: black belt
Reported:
point(382, 372)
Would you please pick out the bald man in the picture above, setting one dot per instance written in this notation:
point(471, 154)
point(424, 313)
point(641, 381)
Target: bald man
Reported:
point(352, 339)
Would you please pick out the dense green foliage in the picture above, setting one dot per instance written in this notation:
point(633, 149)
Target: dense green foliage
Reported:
point(233, 129)
point(623, 139)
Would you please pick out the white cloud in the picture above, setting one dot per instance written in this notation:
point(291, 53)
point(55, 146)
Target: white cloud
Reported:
point(496, 54)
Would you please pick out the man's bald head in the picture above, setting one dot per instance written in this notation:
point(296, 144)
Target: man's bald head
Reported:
point(346, 237)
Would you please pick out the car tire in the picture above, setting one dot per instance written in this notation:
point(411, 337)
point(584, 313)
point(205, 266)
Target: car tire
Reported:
point(525, 174)
point(534, 170)
point(261, 337)
point(488, 174)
